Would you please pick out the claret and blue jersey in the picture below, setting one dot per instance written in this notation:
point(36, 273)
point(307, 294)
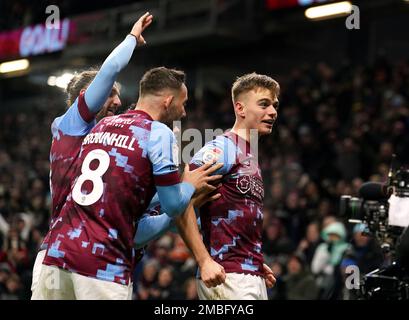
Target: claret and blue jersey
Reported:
point(232, 225)
point(121, 162)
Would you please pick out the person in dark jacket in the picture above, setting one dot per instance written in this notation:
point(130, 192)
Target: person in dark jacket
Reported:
point(299, 282)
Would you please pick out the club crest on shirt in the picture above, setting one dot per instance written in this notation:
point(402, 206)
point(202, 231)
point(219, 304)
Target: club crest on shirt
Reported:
point(250, 185)
point(243, 184)
point(212, 155)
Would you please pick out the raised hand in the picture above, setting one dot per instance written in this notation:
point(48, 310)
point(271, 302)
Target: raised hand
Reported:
point(140, 25)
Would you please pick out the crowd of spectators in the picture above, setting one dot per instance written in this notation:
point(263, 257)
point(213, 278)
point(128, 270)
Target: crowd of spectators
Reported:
point(338, 127)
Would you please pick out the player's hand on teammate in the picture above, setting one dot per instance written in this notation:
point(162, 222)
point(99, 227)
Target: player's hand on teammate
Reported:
point(202, 178)
point(140, 25)
point(212, 273)
point(268, 276)
point(202, 198)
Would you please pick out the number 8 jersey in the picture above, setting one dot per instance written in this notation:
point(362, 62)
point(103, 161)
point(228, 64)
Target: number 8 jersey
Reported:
point(121, 160)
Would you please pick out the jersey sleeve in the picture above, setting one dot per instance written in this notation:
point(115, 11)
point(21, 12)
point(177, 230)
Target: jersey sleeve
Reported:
point(100, 88)
point(161, 147)
point(72, 122)
point(153, 224)
point(221, 150)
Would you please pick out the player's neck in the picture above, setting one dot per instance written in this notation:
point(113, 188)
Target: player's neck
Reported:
point(241, 131)
point(146, 106)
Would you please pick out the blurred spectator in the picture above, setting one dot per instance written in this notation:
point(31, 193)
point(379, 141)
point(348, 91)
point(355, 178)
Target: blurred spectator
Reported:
point(190, 289)
point(147, 278)
point(164, 288)
point(327, 259)
point(4, 275)
point(278, 291)
point(275, 241)
point(365, 253)
point(310, 242)
point(13, 288)
point(15, 250)
point(299, 282)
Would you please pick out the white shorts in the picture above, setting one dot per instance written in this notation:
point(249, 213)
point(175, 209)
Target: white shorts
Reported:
point(37, 269)
point(238, 286)
point(59, 284)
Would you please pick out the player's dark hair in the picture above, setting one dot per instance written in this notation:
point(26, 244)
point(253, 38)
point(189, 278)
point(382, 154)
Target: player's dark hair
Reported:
point(161, 78)
point(253, 81)
point(81, 81)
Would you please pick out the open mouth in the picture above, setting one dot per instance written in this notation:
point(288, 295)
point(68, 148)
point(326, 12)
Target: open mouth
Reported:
point(111, 112)
point(269, 122)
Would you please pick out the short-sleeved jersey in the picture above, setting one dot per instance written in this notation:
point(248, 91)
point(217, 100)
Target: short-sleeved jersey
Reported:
point(68, 131)
point(232, 225)
point(120, 162)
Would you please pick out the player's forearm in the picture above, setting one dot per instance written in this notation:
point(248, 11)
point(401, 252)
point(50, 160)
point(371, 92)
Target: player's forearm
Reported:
point(151, 228)
point(189, 231)
point(100, 88)
point(174, 199)
point(120, 56)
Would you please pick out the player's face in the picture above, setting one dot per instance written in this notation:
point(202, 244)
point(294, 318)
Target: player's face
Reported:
point(111, 105)
point(176, 110)
point(260, 110)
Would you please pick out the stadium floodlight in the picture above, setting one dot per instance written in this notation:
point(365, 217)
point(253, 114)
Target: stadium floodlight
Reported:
point(15, 65)
point(52, 80)
point(328, 11)
point(60, 81)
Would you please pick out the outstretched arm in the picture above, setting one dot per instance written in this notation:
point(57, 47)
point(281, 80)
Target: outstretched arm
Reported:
point(78, 119)
point(151, 228)
point(154, 222)
point(100, 88)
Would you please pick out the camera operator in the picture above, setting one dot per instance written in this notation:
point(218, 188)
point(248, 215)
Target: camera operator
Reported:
point(365, 253)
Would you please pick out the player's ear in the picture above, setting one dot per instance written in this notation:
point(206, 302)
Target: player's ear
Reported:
point(239, 108)
point(168, 101)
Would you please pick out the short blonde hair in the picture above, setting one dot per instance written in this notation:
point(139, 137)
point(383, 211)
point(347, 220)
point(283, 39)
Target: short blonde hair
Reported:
point(253, 81)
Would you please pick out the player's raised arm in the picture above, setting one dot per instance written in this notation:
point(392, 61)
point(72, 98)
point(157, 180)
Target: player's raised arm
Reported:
point(96, 88)
point(100, 88)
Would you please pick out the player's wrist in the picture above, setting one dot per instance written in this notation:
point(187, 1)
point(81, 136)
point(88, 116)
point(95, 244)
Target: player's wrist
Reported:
point(202, 261)
point(134, 36)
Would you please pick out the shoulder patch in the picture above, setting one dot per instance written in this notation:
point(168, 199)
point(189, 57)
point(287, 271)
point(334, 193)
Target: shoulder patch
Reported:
point(212, 155)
